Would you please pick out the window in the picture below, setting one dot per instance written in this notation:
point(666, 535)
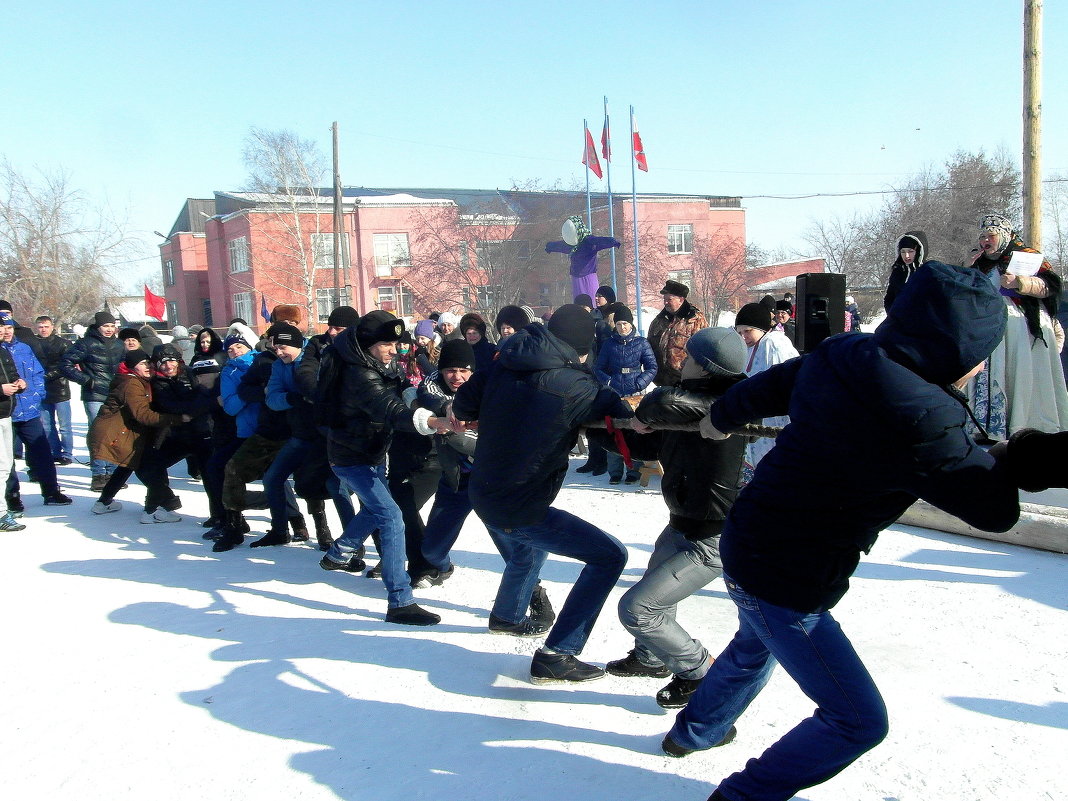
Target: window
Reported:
point(326, 300)
point(391, 250)
point(168, 272)
point(396, 299)
point(501, 253)
point(172, 312)
point(205, 304)
point(484, 297)
point(680, 238)
point(682, 276)
point(323, 251)
point(243, 305)
point(239, 260)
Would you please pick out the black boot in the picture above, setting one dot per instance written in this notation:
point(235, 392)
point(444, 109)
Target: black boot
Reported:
point(541, 611)
point(299, 528)
point(322, 530)
point(272, 537)
point(233, 532)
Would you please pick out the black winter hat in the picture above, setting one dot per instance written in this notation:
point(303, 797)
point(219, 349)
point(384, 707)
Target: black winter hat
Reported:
point(456, 353)
point(343, 317)
point(284, 333)
point(784, 305)
point(718, 351)
point(129, 333)
point(161, 353)
point(621, 314)
point(378, 326)
point(754, 315)
point(513, 316)
point(134, 358)
point(104, 318)
point(575, 326)
point(584, 300)
point(675, 288)
point(769, 302)
point(607, 293)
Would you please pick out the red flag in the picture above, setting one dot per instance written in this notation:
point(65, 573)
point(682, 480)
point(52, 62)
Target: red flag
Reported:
point(155, 306)
point(606, 148)
point(589, 156)
point(639, 153)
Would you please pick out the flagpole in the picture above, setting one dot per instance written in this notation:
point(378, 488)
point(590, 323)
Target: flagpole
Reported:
point(608, 175)
point(589, 211)
point(634, 217)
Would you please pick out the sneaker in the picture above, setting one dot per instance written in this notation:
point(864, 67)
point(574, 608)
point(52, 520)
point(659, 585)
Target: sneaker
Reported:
point(586, 468)
point(62, 461)
point(15, 513)
point(599, 472)
point(214, 532)
point(100, 508)
point(630, 665)
point(632, 479)
point(212, 522)
point(272, 537)
point(546, 668)
point(354, 565)
point(432, 578)
point(9, 523)
point(541, 610)
point(98, 483)
point(676, 693)
point(524, 628)
point(615, 480)
point(411, 615)
point(160, 515)
point(673, 749)
point(57, 499)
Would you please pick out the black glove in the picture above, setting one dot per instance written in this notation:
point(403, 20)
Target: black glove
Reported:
point(1037, 461)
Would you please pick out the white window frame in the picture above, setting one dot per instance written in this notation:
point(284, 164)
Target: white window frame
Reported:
point(680, 238)
point(391, 250)
point(240, 260)
point(168, 272)
point(326, 300)
point(243, 306)
point(322, 247)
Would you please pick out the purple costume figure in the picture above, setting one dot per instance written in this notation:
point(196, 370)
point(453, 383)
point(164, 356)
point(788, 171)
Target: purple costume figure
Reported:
point(583, 248)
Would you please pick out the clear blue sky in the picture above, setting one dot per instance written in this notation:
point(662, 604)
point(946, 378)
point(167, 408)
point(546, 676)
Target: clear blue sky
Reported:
point(147, 104)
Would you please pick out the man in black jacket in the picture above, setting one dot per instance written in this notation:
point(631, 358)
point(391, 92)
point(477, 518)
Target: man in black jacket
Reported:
point(818, 500)
point(10, 385)
point(55, 411)
point(529, 406)
point(369, 407)
point(93, 362)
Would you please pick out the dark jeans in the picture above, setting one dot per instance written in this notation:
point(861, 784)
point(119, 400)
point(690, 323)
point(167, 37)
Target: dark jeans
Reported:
point(213, 473)
point(38, 453)
point(525, 550)
point(850, 718)
point(597, 458)
point(411, 489)
point(447, 515)
point(154, 465)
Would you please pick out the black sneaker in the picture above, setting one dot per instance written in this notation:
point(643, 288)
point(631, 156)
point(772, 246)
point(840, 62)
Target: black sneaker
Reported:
point(375, 572)
point(272, 537)
point(212, 522)
point(586, 468)
point(673, 749)
point(615, 480)
point(228, 541)
point(630, 665)
point(524, 628)
point(541, 610)
point(411, 615)
point(632, 479)
point(546, 668)
point(676, 693)
point(57, 499)
point(62, 461)
point(354, 565)
point(432, 578)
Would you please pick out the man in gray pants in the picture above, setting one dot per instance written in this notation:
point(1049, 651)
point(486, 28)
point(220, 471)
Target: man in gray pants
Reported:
point(700, 483)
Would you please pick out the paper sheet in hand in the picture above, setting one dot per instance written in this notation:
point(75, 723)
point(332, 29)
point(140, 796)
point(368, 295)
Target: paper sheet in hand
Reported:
point(1021, 263)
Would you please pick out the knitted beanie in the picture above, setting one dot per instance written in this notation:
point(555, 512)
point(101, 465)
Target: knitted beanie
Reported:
point(719, 351)
point(134, 358)
point(754, 315)
point(458, 354)
point(343, 317)
point(607, 293)
point(575, 326)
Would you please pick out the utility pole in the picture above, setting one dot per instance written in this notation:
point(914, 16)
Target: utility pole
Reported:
point(338, 220)
point(1032, 123)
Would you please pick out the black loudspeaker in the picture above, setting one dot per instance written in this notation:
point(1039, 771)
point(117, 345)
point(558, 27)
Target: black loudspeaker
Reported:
point(820, 308)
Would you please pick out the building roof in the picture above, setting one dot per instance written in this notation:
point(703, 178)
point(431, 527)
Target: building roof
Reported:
point(192, 216)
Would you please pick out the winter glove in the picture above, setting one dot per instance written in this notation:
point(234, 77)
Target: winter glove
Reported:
point(1036, 461)
point(709, 431)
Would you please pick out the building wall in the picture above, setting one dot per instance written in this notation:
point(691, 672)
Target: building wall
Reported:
point(188, 255)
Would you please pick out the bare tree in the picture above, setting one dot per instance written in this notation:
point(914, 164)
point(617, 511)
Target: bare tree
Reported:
point(1055, 227)
point(55, 250)
point(288, 170)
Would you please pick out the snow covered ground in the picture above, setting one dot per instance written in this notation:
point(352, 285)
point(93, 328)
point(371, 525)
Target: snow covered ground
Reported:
point(140, 665)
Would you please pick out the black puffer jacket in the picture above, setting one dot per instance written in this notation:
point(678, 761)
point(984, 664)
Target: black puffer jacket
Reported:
point(52, 348)
point(369, 404)
point(9, 374)
point(99, 358)
point(205, 368)
point(529, 404)
point(701, 476)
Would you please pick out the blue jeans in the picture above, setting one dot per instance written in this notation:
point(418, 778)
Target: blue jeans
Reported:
point(447, 515)
point(38, 454)
point(98, 467)
point(525, 550)
point(280, 498)
point(377, 510)
point(55, 417)
point(811, 647)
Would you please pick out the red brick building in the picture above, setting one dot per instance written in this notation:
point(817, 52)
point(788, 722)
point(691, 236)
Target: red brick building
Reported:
point(416, 250)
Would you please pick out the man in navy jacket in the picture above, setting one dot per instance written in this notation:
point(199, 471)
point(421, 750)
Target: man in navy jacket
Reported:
point(819, 499)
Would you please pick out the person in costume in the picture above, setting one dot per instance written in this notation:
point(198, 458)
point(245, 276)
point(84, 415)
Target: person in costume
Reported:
point(582, 247)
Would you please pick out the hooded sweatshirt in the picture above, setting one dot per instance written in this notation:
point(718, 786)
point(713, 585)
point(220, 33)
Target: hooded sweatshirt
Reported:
point(873, 426)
